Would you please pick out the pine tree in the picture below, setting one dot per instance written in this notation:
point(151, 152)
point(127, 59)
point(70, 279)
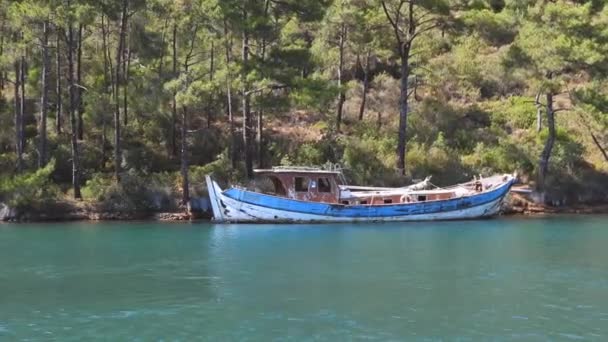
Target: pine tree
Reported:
point(408, 20)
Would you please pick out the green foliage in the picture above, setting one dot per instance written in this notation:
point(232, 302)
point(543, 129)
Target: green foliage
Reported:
point(371, 160)
point(437, 160)
point(496, 28)
point(135, 192)
point(96, 187)
point(32, 190)
point(313, 154)
point(144, 156)
point(222, 171)
point(477, 67)
point(7, 164)
point(506, 157)
point(310, 154)
point(594, 100)
point(560, 38)
point(516, 112)
point(314, 93)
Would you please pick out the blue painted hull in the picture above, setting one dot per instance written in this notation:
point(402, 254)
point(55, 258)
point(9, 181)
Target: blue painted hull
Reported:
point(235, 205)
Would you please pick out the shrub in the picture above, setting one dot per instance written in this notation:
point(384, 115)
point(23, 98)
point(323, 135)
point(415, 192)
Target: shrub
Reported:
point(371, 160)
point(221, 170)
point(144, 156)
point(135, 192)
point(7, 163)
point(30, 190)
point(517, 113)
point(506, 157)
point(436, 160)
point(313, 153)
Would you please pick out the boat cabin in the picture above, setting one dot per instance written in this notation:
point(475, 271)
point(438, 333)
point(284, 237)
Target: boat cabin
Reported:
point(327, 186)
point(305, 184)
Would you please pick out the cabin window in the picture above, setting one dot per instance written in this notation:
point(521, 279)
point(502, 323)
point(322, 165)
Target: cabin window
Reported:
point(345, 202)
point(362, 202)
point(388, 201)
point(301, 184)
point(421, 198)
point(324, 185)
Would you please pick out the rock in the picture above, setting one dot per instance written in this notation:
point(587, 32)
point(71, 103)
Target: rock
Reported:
point(7, 213)
point(538, 198)
point(172, 217)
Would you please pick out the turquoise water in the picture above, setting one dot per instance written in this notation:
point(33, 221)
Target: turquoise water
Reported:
point(504, 279)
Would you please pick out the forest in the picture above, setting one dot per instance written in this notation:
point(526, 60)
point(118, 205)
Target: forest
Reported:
point(128, 104)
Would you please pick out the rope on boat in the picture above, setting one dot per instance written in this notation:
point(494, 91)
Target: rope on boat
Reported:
point(436, 187)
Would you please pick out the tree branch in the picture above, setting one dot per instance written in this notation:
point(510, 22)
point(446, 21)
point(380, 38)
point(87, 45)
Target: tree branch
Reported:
point(268, 87)
point(425, 14)
point(393, 24)
point(398, 14)
point(599, 146)
point(593, 137)
point(429, 20)
point(426, 29)
point(561, 110)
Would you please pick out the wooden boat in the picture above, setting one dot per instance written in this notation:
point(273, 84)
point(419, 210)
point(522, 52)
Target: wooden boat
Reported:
point(318, 195)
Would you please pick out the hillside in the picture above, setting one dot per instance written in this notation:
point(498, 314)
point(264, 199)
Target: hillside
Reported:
point(125, 105)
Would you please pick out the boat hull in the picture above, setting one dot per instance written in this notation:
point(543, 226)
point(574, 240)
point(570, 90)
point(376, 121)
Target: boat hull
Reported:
point(237, 205)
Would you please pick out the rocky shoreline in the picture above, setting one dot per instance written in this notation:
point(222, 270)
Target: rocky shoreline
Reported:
point(520, 205)
point(8, 215)
point(65, 211)
point(546, 210)
point(65, 214)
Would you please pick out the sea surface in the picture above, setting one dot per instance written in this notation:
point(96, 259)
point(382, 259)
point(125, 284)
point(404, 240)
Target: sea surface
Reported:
point(503, 279)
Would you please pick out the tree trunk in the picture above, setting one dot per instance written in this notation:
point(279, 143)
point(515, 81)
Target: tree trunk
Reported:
point(2, 75)
point(45, 94)
point(212, 61)
point(22, 103)
point(246, 105)
point(403, 110)
point(211, 75)
point(543, 165)
point(79, 88)
point(184, 129)
point(161, 62)
point(18, 118)
point(342, 95)
point(118, 78)
point(58, 90)
point(365, 86)
point(539, 113)
point(173, 100)
point(107, 59)
point(594, 137)
point(184, 158)
point(104, 142)
point(73, 108)
point(228, 46)
point(599, 146)
point(404, 39)
point(125, 88)
point(259, 137)
point(108, 86)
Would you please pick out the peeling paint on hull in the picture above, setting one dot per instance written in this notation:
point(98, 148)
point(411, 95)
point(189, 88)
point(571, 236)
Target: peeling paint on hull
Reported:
point(237, 205)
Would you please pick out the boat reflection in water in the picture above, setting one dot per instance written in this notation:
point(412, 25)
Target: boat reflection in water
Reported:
point(303, 194)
